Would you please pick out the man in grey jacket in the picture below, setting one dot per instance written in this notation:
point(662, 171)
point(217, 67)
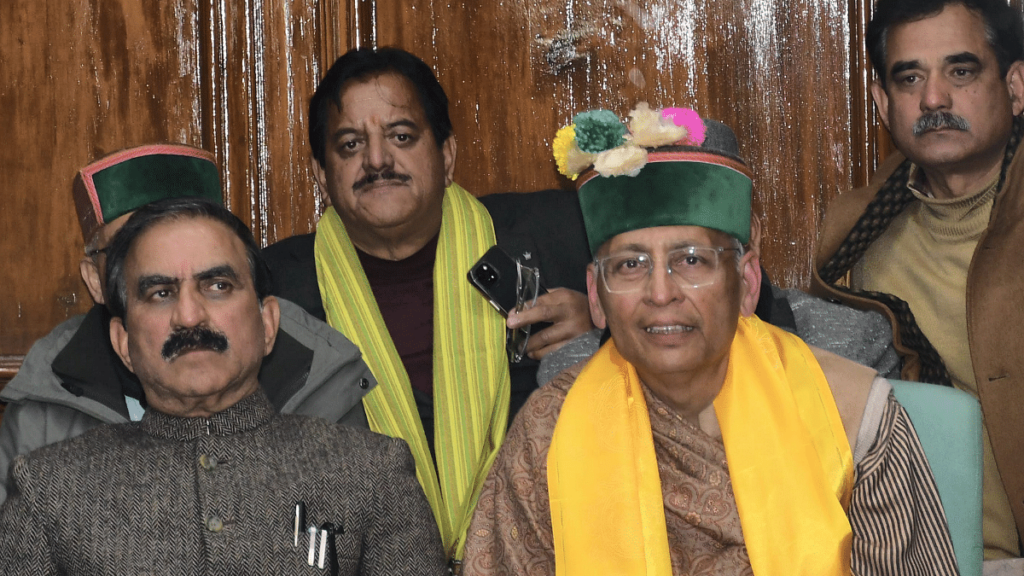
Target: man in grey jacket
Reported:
point(212, 480)
point(71, 379)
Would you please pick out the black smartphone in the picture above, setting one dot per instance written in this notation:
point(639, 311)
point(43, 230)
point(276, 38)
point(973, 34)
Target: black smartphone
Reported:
point(495, 274)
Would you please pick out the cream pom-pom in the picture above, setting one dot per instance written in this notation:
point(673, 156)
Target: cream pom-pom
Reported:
point(649, 128)
point(626, 160)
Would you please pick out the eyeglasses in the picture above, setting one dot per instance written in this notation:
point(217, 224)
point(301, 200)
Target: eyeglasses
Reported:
point(690, 267)
point(96, 252)
point(527, 286)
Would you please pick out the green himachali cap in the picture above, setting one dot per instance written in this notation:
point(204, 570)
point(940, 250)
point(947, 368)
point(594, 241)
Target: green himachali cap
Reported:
point(121, 182)
point(670, 168)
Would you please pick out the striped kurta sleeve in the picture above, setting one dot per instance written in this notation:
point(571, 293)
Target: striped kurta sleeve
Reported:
point(899, 526)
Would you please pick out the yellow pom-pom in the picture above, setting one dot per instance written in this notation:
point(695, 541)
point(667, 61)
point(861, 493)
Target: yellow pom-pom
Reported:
point(565, 141)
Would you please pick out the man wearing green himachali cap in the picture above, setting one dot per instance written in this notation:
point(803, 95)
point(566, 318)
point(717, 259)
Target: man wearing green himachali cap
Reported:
point(71, 379)
point(698, 439)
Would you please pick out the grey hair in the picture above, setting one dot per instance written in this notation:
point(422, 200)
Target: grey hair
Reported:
point(735, 244)
point(170, 209)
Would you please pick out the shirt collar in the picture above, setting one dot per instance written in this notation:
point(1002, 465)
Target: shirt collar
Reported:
point(247, 414)
point(916, 183)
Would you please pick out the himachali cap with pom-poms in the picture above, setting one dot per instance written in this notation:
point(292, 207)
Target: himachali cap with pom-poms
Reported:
point(667, 168)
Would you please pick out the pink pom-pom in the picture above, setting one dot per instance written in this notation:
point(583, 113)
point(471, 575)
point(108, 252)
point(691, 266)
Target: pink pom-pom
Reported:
point(687, 119)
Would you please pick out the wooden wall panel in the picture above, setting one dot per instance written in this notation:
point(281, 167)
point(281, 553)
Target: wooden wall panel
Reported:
point(80, 79)
point(777, 71)
point(86, 77)
point(266, 57)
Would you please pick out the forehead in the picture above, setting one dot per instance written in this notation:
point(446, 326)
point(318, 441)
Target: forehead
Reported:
point(667, 238)
point(181, 247)
point(953, 31)
point(379, 99)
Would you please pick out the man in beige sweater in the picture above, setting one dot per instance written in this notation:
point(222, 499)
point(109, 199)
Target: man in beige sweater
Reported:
point(932, 242)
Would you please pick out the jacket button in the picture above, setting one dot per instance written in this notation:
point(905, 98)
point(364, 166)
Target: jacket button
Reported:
point(214, 524)
point(364, 383)
point(208, 462)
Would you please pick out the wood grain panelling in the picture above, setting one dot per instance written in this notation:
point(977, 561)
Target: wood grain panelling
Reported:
point(80, 79)
point(777, 71)
point(266, 57)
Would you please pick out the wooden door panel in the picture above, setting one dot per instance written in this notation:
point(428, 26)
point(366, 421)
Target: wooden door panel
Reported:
point(266, 59)
point(86, 77)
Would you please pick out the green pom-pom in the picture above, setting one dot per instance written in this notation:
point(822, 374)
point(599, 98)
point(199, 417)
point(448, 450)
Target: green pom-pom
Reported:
point(598, 130)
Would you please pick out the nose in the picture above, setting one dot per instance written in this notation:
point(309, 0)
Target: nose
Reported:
point(378, 155)
point(189, 309)
point(935, 95)
point(662, 289)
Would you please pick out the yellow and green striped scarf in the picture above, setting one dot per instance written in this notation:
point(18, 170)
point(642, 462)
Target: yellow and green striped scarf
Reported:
point(471, 377)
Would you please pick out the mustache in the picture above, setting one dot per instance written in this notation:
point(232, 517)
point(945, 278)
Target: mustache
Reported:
point(192, 339)
point(386, 174)
point(940, 119)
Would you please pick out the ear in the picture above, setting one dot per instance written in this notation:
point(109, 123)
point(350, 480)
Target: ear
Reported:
point(119, 340)
point(321, 181)
point(91, 276)
point(1015, 85)
point(881, 98)
point(271, 312)
point(750, 282)
point(596, 310)
point(448, 149)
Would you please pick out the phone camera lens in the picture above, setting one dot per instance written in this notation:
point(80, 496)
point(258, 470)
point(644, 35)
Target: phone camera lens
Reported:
point(486, 275)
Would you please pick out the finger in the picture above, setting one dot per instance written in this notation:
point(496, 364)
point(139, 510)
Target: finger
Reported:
point(556, 298)
point(553, 307)
point(552, 338)
point(556, 334)
point(539, 313)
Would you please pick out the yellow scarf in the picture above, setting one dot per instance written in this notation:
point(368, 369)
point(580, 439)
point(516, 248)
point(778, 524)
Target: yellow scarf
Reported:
point(471, 377)
point(789, 461)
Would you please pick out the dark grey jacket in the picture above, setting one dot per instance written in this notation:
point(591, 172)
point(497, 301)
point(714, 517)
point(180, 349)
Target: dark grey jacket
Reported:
point(216, 495)
point(313, 370)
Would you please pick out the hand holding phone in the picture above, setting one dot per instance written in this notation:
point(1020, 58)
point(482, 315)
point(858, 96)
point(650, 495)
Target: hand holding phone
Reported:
point(508, 285)
point(501, 279)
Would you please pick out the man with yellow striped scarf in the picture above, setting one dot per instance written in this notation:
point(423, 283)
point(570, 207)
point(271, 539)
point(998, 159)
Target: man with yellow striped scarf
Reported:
point(387, 268)
point(698, 440)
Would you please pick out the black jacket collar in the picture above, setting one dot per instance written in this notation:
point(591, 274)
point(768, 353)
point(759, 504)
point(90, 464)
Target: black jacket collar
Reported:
point(89, 367)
